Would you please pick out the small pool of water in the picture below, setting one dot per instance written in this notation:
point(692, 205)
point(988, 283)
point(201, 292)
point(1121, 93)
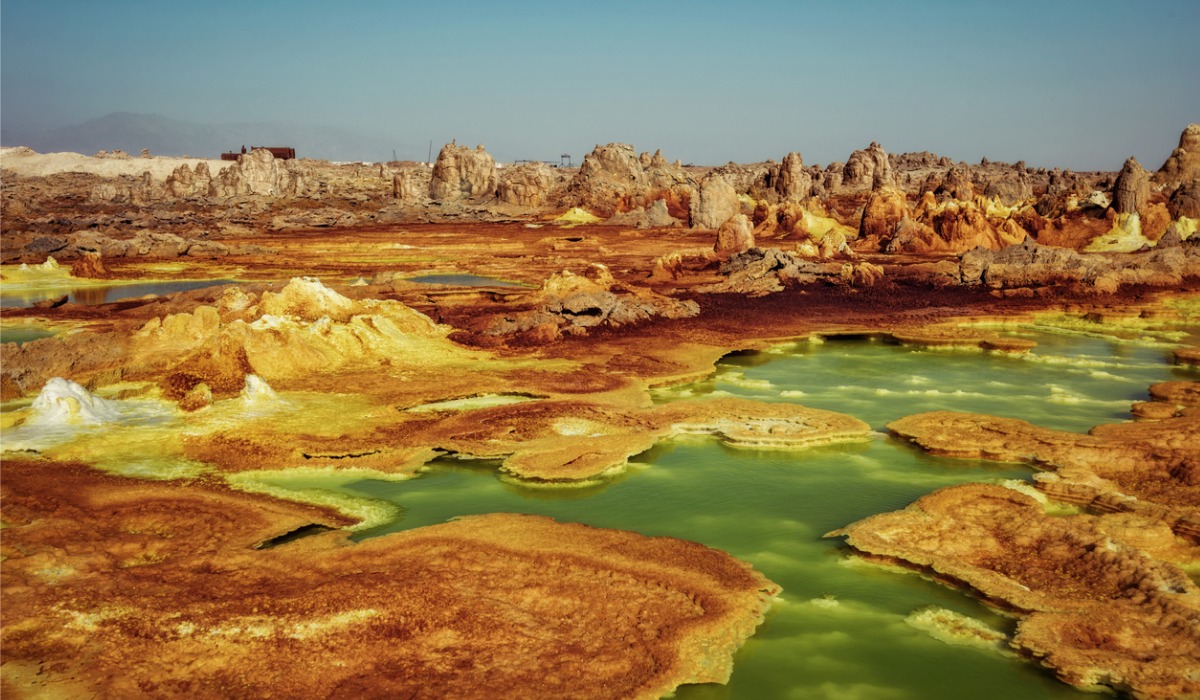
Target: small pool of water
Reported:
point(102, 293)
point(839, 630)
point(1068, 382)
point(20, 336)
point(463, 281)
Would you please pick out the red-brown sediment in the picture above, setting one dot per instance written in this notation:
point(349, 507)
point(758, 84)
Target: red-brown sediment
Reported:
point(117, 587)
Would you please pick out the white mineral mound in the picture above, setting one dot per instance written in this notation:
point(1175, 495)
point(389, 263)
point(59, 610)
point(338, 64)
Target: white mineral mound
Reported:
point(63, 402)
point(27, 162)
point(257, 390)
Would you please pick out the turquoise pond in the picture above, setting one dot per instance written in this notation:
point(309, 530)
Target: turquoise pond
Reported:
point(840, 629)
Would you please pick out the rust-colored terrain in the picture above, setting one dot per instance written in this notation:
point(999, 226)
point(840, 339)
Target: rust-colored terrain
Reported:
point(321, 351)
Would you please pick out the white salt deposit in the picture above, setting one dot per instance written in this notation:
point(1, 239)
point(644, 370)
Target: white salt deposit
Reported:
point(257, 390)
point(63, 402)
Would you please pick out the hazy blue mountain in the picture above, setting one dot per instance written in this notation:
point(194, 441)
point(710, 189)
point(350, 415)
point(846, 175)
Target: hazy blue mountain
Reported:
point(172, 137)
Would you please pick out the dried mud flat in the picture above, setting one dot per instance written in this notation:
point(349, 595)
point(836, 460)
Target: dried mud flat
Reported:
point(326, 356)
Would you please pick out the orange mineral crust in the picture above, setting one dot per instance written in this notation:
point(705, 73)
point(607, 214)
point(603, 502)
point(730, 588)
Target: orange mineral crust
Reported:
point(1147, 467)
point(116, 587)
point(1092, 606)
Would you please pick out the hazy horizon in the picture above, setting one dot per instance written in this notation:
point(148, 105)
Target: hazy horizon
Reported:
point(1080, 85)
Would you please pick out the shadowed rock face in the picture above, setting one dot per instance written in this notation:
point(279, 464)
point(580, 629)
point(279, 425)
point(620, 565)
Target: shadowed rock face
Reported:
point(162, 592)
point(411, 184)
point(1185, 201)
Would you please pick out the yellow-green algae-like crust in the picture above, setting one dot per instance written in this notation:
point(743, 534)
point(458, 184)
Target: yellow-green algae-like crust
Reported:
point(116, 587)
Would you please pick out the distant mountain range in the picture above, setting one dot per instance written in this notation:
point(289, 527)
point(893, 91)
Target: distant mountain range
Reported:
point(172, 137)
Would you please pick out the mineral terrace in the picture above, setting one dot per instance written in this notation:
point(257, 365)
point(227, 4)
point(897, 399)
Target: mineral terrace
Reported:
point(604, 281)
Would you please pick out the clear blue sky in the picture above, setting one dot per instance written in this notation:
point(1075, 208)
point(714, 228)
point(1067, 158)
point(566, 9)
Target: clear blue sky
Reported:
point(1078, 84)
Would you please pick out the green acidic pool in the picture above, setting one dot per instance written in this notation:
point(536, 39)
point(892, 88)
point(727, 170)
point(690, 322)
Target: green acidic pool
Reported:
point(839, 630)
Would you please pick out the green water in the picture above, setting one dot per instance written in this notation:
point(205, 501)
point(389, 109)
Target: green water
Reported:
point(839, 630)
point(20, 336)
point(462, 280)
point(101, 293)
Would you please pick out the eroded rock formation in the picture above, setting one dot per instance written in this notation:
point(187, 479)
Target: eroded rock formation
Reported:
point(1131, 193)
point(793, 183)
point(1183, 165)
point(869, 167)
point(615, 179)
point(570, 303)
point(736, 235)
point(526, 185)
point(715, 203)
point(462, 173)
point(260, 173)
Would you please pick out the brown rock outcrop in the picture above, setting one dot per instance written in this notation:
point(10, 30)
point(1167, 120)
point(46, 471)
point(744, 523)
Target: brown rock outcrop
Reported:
point(869, 167)
point(957, 184)
point(608, 176)
point(463, 173)
point(138, 191)
point(570, 304)
point(260, 173)
point(411, 184)
point(1183, 165)
point(525, 185)
point(615, 179)
point(1029, 264)
point(1185, 200)
point(954, 226)
point(759, 180)
point(736, 235)
point(885, 209)
point(1131, 192)
point(89, 265)
point(187, 182)
point(657, 215)
point(1011, 187)
point(793, 183)
point(714, 204)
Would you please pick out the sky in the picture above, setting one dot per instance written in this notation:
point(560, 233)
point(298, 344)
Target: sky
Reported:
point(1078, 84)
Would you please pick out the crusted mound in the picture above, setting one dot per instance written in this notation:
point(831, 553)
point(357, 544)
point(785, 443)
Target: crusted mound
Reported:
point(551, 441)
point(162, 593)
point(1096, 609)
point(1143, 467)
